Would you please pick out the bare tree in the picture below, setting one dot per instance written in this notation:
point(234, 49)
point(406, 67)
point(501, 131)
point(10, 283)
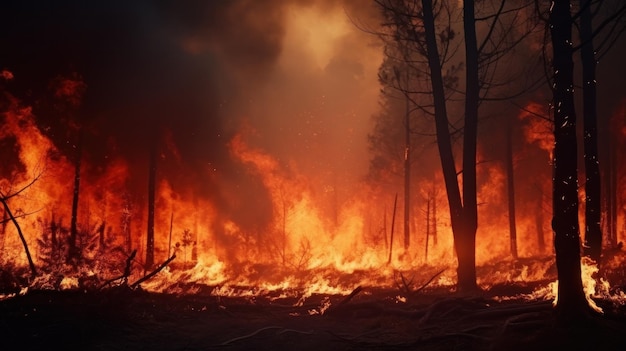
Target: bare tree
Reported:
point(5, 196)
point(571, 298)
point(74, 252)
point(418, 20)
point(510, 182)
point(593, 195)
point(151, 206)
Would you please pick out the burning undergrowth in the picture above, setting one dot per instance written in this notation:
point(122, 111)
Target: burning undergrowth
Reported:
point(306, 241)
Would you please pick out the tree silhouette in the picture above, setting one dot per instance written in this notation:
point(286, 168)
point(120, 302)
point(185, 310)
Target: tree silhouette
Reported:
point(571, 298)
point(5, 196)
point(417, 25)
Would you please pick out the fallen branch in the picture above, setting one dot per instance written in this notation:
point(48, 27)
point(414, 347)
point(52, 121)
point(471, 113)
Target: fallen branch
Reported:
point(526, 319)
point(429, 281)
point(153, 273)
point(125, 275)
point(250, 335)
point(347, 299)
point(307, 332)
point(499, 311)
point(406, 286)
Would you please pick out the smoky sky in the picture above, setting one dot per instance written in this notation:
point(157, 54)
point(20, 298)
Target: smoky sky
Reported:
point(192, 73)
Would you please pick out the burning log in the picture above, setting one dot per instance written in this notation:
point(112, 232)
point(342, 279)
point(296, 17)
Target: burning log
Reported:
point(153, 273)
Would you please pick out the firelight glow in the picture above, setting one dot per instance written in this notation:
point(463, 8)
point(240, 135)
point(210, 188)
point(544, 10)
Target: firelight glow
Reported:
point(260, 118)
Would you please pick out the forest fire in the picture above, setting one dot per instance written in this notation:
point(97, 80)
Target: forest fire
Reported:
point(300, 164)
point(307, 247)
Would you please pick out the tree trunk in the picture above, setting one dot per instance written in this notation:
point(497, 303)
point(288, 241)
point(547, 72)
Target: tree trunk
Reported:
point(462, 221)
point(434, 216)
point(541, 245)
point(31, 264)
point(465, 244)
point(467, 273)
point(393, 223)
point(151, 208)
point(613, 188)
point(407, 175)
point(593, 202)
point(427, 230)
point(571, 298)
point(126, 223)
point(101, 235)
point(73, 249)
point(284, 238)
point(510, 182)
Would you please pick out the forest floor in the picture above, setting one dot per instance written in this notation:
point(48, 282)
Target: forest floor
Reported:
point(372, 319)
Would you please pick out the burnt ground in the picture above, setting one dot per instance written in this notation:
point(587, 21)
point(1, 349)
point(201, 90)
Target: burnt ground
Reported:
point(373, 319)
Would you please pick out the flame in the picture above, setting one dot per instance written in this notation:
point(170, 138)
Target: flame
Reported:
point(538, 127)
point(313, 242)
point(594, 287)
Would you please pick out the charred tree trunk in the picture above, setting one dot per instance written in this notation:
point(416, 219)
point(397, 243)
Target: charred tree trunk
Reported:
point(593, 205)
point(467, 236)
point(510, 182)
point(283, 248)
point(5, 220)
point(427, 230)
point(3, 231)
point(73, 254)
point(151, 207)
point(541, 244)
point(393, 223)
point(407, 174)
point(169, 243)
point(611, 192)
point(463, 222)
point(571, 298)
point(434, 217)
point(101, 235)
point(385, 228)
point(54, 228)
point(126, 222)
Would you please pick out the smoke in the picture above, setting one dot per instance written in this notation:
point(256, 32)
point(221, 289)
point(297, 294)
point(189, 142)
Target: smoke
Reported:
point(192, 74)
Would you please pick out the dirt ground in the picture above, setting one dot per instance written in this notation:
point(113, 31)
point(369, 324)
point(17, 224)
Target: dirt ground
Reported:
point(120, 319)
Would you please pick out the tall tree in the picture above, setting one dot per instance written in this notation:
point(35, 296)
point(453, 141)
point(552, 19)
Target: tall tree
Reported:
point(151, 205)
point(571, 298)
point(74, 251)
point(407, 171)
point(593, 205)
point(416, 24)
point(4, 199)
point(587, 33)
point(510, 185)
point(396, 76)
